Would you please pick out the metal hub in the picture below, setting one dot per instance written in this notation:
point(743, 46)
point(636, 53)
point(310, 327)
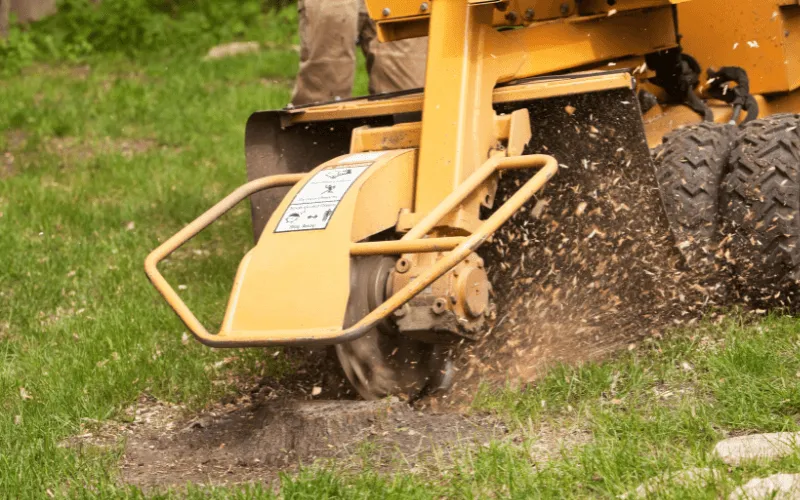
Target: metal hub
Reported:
point(453, 307)
point(383, 362)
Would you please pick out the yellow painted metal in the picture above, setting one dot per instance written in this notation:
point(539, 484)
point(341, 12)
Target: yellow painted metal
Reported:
point(761, 36)
point(660, 121)
point(189, 232)
point(589, 7)
point(574, 84)
point(296, 284)
point(472, 57)
point(517, 12)
point(780, 103)
point(268, 304)
point(513, 129)
point(397, 247)
point(392, 10)
point(399, 136)
point(252, 330)
point(548, 168)
point(389, 191)
point(578, 41)
point(458, 128)
point(433, 176)
point(398, 19)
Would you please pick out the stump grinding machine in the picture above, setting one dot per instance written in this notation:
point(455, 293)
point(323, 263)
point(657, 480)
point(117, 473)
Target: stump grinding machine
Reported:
point(368, 211)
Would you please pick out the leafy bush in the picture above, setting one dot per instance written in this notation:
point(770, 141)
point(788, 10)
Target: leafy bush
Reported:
point(17, 50)
point(139, 27)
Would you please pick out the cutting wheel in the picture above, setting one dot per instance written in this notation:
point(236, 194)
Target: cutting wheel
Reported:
point(383, 362)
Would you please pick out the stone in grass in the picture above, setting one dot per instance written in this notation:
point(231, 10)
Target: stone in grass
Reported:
point(232, 49)
point(777, 486)
point(772, 446)
point(698, 476)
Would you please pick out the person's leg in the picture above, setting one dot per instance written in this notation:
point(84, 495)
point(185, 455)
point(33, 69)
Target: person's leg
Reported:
point(328, 31)
point(5, 9)
point(392, 66)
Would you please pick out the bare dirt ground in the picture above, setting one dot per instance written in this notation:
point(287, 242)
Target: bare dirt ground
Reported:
point(16, 141)
point(257, 440)
point(278, 426)
point(68, 150)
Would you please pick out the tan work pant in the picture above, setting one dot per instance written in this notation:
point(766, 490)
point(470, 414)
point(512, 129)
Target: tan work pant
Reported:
point(329, 31)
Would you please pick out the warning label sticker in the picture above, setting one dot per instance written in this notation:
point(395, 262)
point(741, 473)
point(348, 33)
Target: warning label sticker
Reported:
point(314, 205)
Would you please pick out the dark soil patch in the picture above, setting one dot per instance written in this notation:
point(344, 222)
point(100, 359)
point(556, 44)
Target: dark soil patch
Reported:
point(256, 441)
point(279, 426)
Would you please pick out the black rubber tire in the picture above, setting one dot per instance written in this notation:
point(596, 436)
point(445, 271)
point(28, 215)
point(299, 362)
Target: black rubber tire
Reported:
point(761, 208)
point(690, 165)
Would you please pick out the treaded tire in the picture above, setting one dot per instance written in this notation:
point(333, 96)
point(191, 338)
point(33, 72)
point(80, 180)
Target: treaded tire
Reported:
point(761, 208)
point(690, 165)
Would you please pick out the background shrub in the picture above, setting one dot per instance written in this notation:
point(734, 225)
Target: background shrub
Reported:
point(137, 28)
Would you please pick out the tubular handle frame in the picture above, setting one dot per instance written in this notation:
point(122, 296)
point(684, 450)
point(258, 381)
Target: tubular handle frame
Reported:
point(412, 242)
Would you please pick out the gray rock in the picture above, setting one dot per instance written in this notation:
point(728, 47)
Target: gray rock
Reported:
point(740, 449)
point(778, 486)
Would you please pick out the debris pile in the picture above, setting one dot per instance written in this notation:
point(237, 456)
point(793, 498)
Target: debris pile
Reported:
point(590, 265)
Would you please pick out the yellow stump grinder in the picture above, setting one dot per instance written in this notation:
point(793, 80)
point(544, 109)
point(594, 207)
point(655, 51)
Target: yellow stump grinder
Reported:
point(368, 212)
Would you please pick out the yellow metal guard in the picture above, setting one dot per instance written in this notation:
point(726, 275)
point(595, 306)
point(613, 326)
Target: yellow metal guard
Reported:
point(413, 241)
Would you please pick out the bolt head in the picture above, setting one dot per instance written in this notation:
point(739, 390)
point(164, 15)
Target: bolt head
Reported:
point(529, 14)
point(386, 11)
point(402, 266)
point(439, 306)
point(424, 7)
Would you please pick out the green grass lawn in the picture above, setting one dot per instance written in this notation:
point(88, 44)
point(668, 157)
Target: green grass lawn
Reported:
point(107, 162)
point(105, 159)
